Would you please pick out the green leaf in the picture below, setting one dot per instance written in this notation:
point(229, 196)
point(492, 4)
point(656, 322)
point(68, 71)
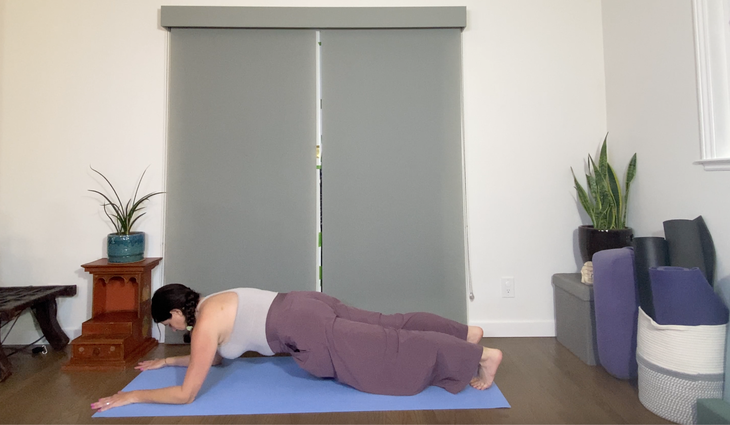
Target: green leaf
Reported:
point(122, 215)
point(110, 185)
point(135, 220)
point(592, 182)
point(631, 171)
point(114, 206)
point(601, 184)
point(615, 193)
point(139, 182)
point(112, 219)
point(583, 197)
point(603, 158)
point(605, 203)
point(630, 174)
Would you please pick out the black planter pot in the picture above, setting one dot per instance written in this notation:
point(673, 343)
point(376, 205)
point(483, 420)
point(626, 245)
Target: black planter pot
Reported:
point(591, 240)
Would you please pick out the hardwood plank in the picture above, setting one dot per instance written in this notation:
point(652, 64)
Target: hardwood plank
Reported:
point(541, 379)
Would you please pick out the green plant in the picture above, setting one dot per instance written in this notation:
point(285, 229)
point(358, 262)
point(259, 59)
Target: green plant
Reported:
point(604, 202)
point(122, 215)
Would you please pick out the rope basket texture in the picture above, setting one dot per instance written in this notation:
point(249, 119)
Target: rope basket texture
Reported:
point(678, 365)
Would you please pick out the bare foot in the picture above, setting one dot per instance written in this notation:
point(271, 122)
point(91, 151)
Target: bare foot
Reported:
point(474, 334)
point(491, 358)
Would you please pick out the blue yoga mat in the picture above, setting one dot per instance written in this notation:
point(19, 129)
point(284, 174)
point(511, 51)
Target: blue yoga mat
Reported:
point(259, 385)
point(683, 297)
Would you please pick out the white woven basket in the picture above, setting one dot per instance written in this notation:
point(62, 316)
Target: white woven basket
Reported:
point(678, 365)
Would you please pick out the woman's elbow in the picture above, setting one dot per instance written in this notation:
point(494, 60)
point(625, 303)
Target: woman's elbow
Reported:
point(187, 397)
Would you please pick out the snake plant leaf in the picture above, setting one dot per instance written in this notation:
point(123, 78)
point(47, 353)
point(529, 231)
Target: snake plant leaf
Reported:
point(631, 171)
point(583, 197)
point(601, 217)
point(603, 157)
point(602, 190)
point(592, 190)
point(616, 200)
point(594, 183)
point(605, 203)
point(591, 179)
point(630, 174)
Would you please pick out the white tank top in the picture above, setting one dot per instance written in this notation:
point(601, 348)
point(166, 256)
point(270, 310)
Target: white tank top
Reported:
point(249, 327)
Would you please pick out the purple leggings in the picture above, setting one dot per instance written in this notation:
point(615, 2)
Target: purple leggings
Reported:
point(393, 354)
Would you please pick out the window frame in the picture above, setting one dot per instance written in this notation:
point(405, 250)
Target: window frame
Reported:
point(712, 64)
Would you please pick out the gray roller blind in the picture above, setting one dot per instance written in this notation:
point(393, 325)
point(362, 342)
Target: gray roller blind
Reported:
point(241, 159)
point(313, 17)
point(392, 204)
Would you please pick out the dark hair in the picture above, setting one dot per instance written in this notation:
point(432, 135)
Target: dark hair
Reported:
point(174, 296)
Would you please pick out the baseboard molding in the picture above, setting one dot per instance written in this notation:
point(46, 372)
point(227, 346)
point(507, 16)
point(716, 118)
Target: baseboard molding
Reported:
point(18, 337)
point(531, 328)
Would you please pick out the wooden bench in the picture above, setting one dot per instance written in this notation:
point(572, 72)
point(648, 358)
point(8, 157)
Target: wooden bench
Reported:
point(14, 300)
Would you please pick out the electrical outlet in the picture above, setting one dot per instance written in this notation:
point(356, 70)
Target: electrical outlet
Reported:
point(508, 287)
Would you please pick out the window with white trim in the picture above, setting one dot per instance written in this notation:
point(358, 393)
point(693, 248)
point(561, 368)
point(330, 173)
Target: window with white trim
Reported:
point(712, 42)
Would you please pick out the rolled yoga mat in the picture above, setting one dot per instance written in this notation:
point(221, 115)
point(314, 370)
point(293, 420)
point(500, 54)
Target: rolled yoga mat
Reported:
point(616, 302)
point(690, 245)
point(270, 385)
point(683, 297)
point(648, 252)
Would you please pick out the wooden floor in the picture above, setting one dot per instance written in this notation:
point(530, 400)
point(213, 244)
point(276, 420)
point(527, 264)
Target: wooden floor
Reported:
point(541, 379)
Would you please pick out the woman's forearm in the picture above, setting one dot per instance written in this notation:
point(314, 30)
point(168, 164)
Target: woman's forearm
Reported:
point(168, 395)
point(178, 361)
point(185, 360)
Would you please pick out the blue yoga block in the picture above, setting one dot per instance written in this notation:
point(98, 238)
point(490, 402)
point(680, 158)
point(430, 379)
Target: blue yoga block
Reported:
point(617, 308)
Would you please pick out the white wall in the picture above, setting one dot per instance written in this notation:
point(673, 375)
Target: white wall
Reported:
point(82, 82)
point(652, 110)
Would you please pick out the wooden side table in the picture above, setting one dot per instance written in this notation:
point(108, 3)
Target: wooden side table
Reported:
point(41, 300)
point(119, 332)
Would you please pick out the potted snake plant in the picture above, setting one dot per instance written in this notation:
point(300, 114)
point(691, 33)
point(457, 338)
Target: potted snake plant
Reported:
point(606, 205)
point(124, 245)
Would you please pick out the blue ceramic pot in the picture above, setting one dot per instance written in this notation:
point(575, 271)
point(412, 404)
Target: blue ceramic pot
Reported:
point(125, 248)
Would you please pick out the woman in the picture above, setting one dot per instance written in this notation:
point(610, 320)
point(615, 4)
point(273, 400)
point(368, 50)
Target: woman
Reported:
point(396, 354)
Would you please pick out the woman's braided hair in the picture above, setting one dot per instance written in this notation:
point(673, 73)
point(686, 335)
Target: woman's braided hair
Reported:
point(188, 309)
point(174, 296)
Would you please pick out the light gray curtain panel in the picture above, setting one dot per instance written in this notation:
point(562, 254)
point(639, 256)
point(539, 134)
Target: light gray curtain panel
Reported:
point(392, 193)
point(241, 174)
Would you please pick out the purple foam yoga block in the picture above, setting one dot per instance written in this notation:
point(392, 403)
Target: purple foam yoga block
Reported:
point(616, 301)
point(683, 297)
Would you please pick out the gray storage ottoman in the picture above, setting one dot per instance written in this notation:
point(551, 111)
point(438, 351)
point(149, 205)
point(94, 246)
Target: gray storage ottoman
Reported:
point(575, 317)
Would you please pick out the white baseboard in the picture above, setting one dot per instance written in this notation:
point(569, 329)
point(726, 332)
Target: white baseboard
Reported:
point(18, 337)
point(535, 328)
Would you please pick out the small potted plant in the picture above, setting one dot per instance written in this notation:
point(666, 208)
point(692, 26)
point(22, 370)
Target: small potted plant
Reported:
point(606, 205)
point(124, 245)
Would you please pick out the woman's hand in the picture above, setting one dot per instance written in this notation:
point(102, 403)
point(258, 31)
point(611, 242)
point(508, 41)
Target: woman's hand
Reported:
point(151, 364)
point(118, 399)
